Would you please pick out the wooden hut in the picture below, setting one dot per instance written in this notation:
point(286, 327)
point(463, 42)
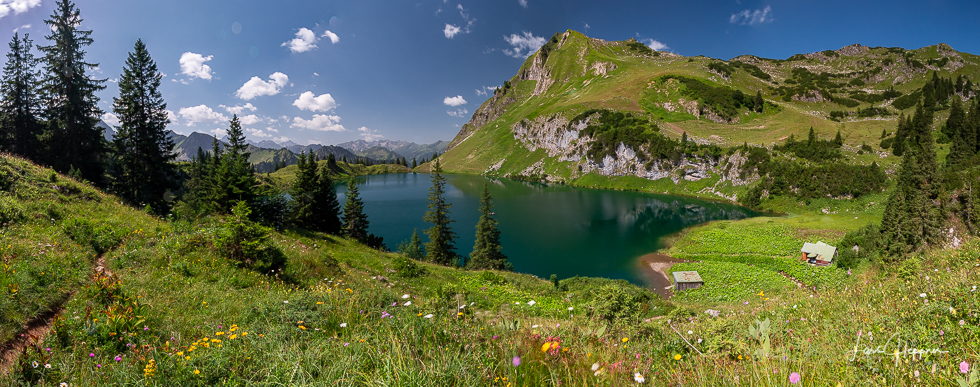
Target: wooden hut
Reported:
point(684, 280)
point(820, 254)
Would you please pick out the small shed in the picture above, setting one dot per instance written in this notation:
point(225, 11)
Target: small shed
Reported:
point(820, 254)
point(684, 280)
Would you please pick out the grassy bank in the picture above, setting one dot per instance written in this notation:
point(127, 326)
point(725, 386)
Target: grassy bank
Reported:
point(179, 312)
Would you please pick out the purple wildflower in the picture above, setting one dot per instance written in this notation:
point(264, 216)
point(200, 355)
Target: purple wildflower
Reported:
point(794, 378)
point(516, 361)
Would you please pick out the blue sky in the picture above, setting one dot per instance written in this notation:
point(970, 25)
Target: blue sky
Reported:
point(335, 71)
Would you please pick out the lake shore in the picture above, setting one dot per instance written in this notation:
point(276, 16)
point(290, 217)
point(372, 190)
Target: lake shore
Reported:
point(654, 267)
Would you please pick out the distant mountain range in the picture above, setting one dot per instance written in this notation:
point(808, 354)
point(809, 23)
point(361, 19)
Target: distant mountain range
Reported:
point(267, 154)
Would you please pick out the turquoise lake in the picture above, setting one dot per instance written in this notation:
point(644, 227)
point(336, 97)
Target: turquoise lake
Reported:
point(545, 228)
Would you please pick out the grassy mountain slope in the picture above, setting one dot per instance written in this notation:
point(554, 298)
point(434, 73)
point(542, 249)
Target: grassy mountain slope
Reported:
point(573, 73)
point(176, 311)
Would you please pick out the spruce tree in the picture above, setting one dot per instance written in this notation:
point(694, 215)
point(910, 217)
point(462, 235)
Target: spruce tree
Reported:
point(325, 205)
point(71, 107)
point(20, 104)
point(487, 252)
point(236, 178)
point(441, 248)
point(413, 249)
point(759, 102)
point(963, 138)
point(200, 184)
point(911, 221)
point(838, 140)
point(143, 153)
point(355, 220)
point(302, 191)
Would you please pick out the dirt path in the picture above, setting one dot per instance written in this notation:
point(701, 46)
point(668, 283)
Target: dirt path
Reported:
point(798, 283)
point(654, 267)
point(39, 327)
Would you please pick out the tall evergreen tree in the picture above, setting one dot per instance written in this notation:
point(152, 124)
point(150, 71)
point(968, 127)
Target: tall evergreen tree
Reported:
point(487, 252)
point(236, 178)
point(200, 185)
point(20, 104)
point(911, 220)
point(71, 107)
point(355, 220)
point(143, 152)
point(441, 248)
point(413, 249)
point(759, 102)
point(838, 140)
point(901, 132)
point(302, 190)
point(325, 204)
point(964, 140)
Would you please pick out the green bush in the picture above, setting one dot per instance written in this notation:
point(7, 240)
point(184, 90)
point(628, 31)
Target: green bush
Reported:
point(248, 243)
point(408, 268)
point(10, 210)
point(615, 303)
point(492, 278)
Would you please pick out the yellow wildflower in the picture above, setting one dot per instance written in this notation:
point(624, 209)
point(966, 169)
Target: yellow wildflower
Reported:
point(677, 356)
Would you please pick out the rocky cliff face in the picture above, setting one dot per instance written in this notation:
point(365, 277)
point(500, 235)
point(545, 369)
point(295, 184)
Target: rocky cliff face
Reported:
point(489, 111)
point(565, 142)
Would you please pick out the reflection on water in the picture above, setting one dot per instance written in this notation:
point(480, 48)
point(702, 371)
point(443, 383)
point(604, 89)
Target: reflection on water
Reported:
point(545, 229)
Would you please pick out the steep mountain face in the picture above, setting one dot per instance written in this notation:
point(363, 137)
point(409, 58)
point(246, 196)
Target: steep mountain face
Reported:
point(417, 151)
point(406, 149)
point(266, 160)
point(339, 153)
point(544, 123)
point(361, 145)
point(187, 148)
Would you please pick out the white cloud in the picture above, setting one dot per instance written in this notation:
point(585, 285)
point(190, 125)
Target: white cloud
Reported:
point(111, 119)
point(316, 74)
point(752, 17)
point(466, 17)
point(320, 122)
point(523, 3)
point(522, 46)
point(219, 132)
point(17, 6)
point(258, 133)
point(257, 87)
point(238, 109)
point(486, 90)
point(307, 101)
point(458, 113)
point(23, 27)
point(172, 116)
point(200, 113)
point(250, 119)
point(192, 65)
point(333, 37)
point(655, 45)
point(305, 41)
point(454, 101)
point(369, 134)
point(450, 30)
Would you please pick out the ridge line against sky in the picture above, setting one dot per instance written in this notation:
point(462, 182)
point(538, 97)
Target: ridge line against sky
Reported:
point(330, 72)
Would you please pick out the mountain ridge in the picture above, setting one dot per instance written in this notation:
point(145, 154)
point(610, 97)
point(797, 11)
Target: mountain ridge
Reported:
point(525, 129)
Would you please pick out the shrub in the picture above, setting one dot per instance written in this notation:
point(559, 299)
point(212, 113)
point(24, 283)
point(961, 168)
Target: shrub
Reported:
point(617, 303)
point(492, 278)
point(408, 268)
point(10, 210)
point(248, 243)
